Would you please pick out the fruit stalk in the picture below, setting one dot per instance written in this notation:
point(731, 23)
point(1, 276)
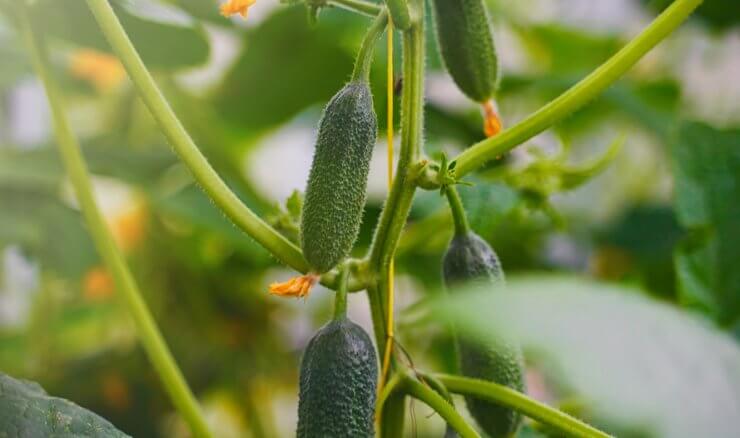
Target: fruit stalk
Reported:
point(364, 58)
point(458, 212)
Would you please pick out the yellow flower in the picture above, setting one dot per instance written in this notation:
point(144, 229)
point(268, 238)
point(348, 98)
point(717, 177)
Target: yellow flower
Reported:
point(492, 122)
point(104, 71)
point(240, 7)
point(298, 287)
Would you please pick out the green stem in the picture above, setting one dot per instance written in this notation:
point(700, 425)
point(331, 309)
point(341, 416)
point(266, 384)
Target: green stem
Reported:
point(74, 162)
point(359, 6)
point(390, 408)
point(458, 211)
point(206, 176)
point(399, 10)
point(510, 398)
point(435, 401)
point(581, 93)
point(365, 56)
point(401, 195)
point(340, 299)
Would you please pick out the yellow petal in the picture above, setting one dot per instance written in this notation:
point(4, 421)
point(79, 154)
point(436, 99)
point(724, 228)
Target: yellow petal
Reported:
point(298, 287)
point(492, 123)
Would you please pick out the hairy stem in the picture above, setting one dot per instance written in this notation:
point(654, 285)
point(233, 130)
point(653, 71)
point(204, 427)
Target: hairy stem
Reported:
point(510, 398)
point(365, 56)
point(399, 200)
point(458, 211)
point(359, 6)
point(435, 401)
point(399, 10)
point(146, 327)
point(581, 93)
point(398, 204)
point(183, 144)
point(340, 298)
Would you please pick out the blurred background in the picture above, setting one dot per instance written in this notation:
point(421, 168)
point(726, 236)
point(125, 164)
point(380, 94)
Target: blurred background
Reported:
point(660, 221)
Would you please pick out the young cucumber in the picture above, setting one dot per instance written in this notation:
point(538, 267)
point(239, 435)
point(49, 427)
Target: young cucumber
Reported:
point(338, 383)
point(465, 41)
point(335, 195)
point(470, 259)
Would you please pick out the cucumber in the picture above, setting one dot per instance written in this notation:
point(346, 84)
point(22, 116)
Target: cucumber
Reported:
point(337, 183)
point(465, 41)
point(470, 259)
point(338, 383)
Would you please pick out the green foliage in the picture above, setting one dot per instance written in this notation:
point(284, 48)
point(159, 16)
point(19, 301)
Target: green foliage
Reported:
point(606, 353)
point(26, 410)
point(465, 40)
point(339, 374)
point(706, 165)
point(335, 194)
point(281, 86)
point(178, 45)
point(616, 350)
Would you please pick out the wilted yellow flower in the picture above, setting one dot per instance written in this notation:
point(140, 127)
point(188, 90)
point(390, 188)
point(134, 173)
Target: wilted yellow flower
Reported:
point(240, 7)
point(492, 122)
point(298, 287)
point(104, 71)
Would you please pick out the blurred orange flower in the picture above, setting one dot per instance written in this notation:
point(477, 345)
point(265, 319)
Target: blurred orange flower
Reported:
point(240, 7)
point(104, 71)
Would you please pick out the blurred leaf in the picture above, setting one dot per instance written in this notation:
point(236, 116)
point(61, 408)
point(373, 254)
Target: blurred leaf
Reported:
point(642, 241)
point(721, 14)
point(193, 207)
point(41, 168)
point(640, 365)
point(706, 165)
point(568, 50)
point(487, 204)
point(26, 410)
point(162, 44)
point(48, 229)
point(203, 9)
point(15, 63)
point(307, 65)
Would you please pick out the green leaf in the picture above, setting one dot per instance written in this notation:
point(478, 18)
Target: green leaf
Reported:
point(26, 410)
point(307, 65)
point(706, 166)
point(48, 229)
point(639, 365)
point(162, 44)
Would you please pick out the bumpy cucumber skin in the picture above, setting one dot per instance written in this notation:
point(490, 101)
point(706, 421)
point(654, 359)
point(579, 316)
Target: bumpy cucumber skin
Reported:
point(470, 259)
point(337, 183)
point(465, 40)
point(338, 383)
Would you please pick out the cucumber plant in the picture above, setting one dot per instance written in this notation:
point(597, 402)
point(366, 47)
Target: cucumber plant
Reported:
point(341, 391)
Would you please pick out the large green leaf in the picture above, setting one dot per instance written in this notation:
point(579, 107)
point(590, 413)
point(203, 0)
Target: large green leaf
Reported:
point(638, 365)
point(706, 166)
point(27, 411)
point(307, 65)
point(162, 41)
